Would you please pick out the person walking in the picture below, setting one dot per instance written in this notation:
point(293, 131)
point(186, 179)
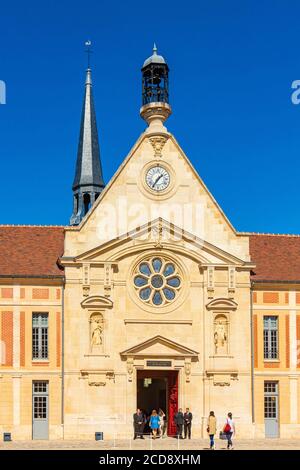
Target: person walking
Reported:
point(162, 422)
point(229, 429)
point(187, 423)
point(154, 423)
point(179, 421)
point(212, 429)
point(138, 424)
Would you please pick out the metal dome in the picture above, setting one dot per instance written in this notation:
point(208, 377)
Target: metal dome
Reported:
point(155, 58)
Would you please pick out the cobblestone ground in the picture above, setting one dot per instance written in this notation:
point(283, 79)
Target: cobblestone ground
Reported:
point(148, 444)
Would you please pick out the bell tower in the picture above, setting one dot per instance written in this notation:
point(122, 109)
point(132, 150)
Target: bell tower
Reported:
point(88, 181)
point(155, 92)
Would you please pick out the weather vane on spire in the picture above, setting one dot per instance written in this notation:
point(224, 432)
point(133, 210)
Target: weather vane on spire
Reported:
point(88, 45)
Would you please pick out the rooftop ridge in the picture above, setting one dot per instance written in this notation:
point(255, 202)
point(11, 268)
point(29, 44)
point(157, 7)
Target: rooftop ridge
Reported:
point(270, 234)
point(31, 225)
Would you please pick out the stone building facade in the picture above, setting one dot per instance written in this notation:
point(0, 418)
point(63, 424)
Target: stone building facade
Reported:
point(150, 298)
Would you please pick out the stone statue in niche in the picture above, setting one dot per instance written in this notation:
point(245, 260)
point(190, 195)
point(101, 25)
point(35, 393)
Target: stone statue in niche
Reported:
point(220, 335)
point(96, 322)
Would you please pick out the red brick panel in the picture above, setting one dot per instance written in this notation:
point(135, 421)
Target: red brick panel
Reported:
point(57, 294)
point(22, 293)
point(271, 297)
point(40, 293)
point(255, 341)
point(254, 297)
point(271, 365)
point(286, 297)
point(298, 340)
point(22, 339)
point(287, 341)
point(7, 337)
point(298, 297)
point(7, 293)
point(58, 339)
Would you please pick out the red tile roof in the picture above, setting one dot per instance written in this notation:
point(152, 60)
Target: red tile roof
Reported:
point(31, 250)
point(34, 251)
point(277, 257)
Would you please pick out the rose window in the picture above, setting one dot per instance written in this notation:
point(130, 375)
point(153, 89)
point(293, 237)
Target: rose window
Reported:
point(157, 281)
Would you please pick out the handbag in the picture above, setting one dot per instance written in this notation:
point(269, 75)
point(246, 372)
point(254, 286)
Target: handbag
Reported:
point(207, 429)
point(227, 428)
point(222, 435)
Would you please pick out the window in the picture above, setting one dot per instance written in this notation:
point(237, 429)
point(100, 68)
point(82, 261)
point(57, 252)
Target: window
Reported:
point(271, 399)
point(271, 337)
point(40, 399)
point(157, 281)
point(40, 336)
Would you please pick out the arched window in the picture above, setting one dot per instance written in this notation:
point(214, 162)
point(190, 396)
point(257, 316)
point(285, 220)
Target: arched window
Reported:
point(86, 202)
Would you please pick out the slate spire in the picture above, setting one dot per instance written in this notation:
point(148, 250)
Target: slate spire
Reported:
point(88, 182)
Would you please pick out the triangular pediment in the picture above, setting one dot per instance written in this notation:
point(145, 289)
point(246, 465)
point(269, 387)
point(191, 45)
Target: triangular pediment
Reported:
point(160, 234)
point(127, 203)
point(159, 346)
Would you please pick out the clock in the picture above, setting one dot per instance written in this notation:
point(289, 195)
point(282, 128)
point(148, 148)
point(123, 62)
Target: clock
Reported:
point(158, 178)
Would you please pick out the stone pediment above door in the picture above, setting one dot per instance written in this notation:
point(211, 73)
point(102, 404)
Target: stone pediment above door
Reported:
point(96, 301)
point(159, 346)
point(222, 304)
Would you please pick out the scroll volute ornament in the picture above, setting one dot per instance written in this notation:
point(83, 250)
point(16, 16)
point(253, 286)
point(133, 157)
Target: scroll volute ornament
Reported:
point(158, 143)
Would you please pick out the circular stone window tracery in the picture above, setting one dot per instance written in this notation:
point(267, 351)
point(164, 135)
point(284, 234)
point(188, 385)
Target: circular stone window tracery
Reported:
point(157, 281)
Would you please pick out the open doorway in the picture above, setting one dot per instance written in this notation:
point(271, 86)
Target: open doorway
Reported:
point(158, 389)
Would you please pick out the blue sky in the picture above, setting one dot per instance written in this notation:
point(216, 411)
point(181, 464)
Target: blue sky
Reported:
point(232, 64)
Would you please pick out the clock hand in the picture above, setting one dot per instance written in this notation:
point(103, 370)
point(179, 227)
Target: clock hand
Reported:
point(157, 180)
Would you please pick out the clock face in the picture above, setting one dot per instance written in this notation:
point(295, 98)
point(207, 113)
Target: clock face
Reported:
point(157, 178)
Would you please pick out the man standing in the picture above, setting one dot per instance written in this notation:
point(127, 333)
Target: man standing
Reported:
point(187, 423)
point(179, 421)
point(138, 423)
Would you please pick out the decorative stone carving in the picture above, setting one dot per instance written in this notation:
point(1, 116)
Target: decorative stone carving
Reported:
point(97, 378)
point(96, 330)
point(222, 378)
point(221, 335)
point(130, 369)
point(97, 384)
point(187, 368)
point(157, 233)
point(107, 279)
point(85, 280)
point(231, 279)
point(158, 143)
point(210, 281)
point(85, 291)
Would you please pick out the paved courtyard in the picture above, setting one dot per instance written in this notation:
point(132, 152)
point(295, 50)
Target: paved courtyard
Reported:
point(148, 444)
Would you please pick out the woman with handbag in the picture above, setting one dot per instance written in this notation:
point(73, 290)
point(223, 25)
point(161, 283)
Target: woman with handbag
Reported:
point(229, 430)
point(212, 429)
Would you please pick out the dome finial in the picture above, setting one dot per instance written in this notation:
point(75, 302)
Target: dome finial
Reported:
point(154, 49)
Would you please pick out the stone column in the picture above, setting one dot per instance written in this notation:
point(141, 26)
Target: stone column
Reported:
point(293, 399)
point(16, 382)
point(293, 332)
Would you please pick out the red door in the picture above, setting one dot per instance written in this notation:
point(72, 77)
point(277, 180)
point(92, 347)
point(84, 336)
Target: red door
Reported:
point(172, 401)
